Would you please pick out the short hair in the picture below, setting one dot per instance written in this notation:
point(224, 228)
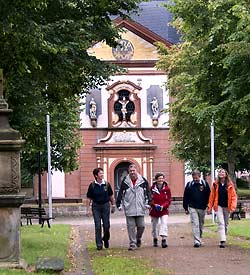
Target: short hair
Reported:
point(196, 172)
point(159, 174)
point(96, 171)
point(132, 165)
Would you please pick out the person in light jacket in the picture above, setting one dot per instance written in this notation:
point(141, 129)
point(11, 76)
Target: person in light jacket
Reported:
point(223, 199)
point(135, 197)
point(161, 200)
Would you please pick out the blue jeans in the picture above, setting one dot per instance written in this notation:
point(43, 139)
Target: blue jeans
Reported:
point(101, 215)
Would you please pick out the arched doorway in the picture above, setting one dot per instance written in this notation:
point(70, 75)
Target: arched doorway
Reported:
point(121, 170)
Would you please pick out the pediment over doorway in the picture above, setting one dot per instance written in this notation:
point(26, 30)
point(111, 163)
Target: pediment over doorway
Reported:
point(124, 139)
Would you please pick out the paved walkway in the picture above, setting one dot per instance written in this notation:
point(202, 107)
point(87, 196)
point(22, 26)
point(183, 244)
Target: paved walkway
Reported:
point(117, 218)
point(178, 256)
point(82, 225)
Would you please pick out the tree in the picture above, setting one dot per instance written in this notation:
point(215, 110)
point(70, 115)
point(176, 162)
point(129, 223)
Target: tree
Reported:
point(208, 79)
point(44, 53)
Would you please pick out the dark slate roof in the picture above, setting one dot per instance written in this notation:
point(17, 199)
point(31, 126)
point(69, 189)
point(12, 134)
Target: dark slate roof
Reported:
point(155, 17)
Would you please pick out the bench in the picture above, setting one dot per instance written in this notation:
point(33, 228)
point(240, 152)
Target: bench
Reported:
point(237, 211)
point(30, 213)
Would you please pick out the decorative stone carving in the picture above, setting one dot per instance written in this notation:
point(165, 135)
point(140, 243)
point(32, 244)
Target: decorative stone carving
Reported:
point(155, 111)
point(92, 112)
point(132, 137)
point(92, 109)
point(124, 106)
point(124, 50)
point(155, 107)
point(124, 114)
point(10, 196)
point(9, 169)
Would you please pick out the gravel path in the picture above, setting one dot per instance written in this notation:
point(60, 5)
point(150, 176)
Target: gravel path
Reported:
point(180, 258)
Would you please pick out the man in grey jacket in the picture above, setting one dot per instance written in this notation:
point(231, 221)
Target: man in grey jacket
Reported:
point(135, 197)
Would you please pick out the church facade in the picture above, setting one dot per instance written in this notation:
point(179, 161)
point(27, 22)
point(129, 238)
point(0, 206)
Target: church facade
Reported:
point(123, 122)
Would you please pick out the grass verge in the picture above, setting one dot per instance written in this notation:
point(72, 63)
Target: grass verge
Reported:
point(117, 261)
point(243, 192)
point(37, 242)
point(238, 232)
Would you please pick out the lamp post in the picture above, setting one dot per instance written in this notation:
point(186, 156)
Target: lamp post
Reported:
point(49, 173)
point(39, 185)
point(212, 158)
point(49, 166)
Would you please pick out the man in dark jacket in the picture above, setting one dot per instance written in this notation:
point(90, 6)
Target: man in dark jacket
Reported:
point(135, 197)
point(100, 195)
point(195, 201)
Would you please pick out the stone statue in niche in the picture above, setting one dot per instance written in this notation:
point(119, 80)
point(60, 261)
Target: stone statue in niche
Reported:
point(155, 107)
point(124, 109)
point(124, 103)
point(92, 108)
point(92, 112)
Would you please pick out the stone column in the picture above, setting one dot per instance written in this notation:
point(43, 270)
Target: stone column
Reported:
point(10, 186)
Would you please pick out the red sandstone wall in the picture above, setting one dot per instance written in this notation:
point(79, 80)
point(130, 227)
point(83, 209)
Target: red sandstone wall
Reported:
point(77, 182)
point(43, 186)
point(88, 157)
point(73, 184)
point(165, 162)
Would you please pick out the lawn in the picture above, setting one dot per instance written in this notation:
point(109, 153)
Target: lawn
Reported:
point(240, 228)
point(243, 192)
point(37, 242)
point(114, 261)
point(238, 232)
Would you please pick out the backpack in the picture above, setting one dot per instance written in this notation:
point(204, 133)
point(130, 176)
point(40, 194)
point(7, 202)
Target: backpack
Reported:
point(189, 184)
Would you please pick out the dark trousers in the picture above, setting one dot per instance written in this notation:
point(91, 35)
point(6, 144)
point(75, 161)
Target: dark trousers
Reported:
point(101, 214)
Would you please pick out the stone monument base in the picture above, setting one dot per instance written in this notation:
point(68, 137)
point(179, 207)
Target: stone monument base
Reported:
point(21, 265)
point(10, 230)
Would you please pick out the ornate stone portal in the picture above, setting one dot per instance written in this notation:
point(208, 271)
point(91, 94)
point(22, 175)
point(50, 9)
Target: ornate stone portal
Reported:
point(10, 186)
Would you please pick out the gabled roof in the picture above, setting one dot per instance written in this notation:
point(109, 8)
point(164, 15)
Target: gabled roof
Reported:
point(154, 20)
point(141, 31)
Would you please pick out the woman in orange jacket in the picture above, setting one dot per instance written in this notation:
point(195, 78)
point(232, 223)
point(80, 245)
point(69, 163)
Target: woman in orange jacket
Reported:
point(223, 199)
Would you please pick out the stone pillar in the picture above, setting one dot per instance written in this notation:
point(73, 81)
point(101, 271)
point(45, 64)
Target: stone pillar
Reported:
point(10, 186)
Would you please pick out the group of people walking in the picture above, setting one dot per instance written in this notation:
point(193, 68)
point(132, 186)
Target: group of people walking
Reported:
point(136, 197)
point(198, 197)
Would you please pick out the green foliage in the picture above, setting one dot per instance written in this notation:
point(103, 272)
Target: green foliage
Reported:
point(242, 183)
point(47, 67)
point(209, 78)
point(27, 179)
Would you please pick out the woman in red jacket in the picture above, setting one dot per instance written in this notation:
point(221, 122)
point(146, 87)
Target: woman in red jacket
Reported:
point(223, 199)
point(161, 199)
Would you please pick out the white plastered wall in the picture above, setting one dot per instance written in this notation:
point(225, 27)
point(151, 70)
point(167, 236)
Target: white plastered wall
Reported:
point(145, 82)
point(58, 184)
